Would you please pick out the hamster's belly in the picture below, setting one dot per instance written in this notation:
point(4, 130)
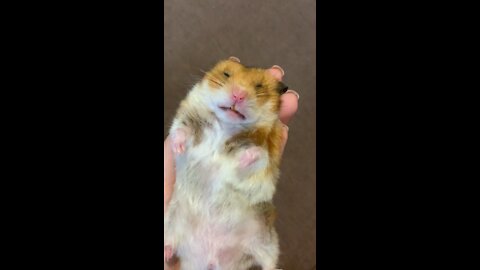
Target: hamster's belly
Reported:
point(214, 220)
point(205, 173)
point(212, 242)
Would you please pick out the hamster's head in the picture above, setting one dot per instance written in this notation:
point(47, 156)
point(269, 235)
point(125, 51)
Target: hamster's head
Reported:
point(243, 95)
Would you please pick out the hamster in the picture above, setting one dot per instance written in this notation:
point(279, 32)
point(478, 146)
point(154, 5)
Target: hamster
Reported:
point(226, 137)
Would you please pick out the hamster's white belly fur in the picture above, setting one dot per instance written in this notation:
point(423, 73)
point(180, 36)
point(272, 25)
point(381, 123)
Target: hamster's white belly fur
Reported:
point(208, 221)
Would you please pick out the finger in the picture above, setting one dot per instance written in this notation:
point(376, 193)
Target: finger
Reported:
point(168, 172)
point(287, 111)
point(168, 182)
point(284, 138)
point(289, 106)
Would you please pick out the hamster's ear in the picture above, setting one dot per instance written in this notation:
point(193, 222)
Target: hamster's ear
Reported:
point(234, 59)
point(277, 72)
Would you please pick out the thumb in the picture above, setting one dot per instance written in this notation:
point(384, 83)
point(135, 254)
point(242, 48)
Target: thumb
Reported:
point(285, 131)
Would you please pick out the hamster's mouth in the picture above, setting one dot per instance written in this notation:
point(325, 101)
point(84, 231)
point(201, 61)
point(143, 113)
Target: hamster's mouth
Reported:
point(232, 110)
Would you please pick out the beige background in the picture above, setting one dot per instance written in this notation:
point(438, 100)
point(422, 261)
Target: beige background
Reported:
point(261, 33)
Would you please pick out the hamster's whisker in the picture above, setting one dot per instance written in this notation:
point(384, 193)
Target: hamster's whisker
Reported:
point(214, 79)
point(217, 83)
point(210, 75)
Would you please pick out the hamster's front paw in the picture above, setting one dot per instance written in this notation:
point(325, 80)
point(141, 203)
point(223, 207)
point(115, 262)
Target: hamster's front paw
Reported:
point(179, 140)
point(250, 156)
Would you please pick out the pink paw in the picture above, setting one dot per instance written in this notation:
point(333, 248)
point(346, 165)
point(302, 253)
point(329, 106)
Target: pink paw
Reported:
point(167, 253)
point(179, 141)
point(250, 156)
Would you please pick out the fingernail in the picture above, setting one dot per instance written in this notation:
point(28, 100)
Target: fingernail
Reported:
point(280, 68)
point(294, 92)
point(286, 127)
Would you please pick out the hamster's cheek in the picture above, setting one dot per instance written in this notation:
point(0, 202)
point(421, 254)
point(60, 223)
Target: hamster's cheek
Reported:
point(220, 98)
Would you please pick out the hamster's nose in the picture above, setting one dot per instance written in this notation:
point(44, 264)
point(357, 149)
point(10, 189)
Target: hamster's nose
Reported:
point(238, 94)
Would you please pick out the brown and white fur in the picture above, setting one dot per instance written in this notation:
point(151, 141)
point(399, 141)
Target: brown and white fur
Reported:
point(226, 137)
